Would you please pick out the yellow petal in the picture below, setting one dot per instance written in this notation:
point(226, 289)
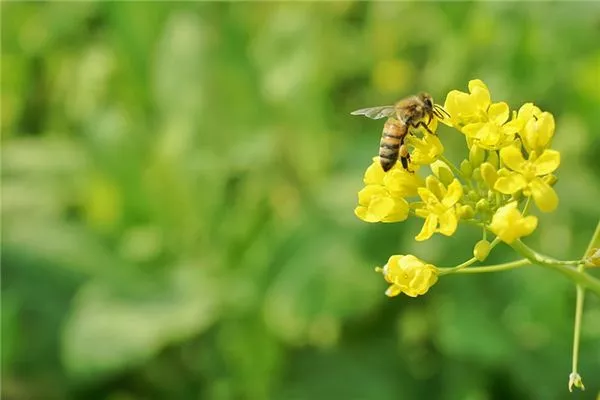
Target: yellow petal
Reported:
point(544, 196)
point(361, 212)
point(459, 104)
point(473, 83)
point(428, 197)
point(488, 173)
point(528, 225)
point(370, 191)
point(547, 162)
point(498, 113)
point(374, 174)
point(428, 228)
point(399, 211)
point(435, 186)
point(448, 223)
point(510, 184)
point(380, 207)
point(545, 128)
point(512, 158)
point(393, 290)
point(480, 93)
point(528, 111)
point(455, 192)
point(472, 130)
point(402, 183)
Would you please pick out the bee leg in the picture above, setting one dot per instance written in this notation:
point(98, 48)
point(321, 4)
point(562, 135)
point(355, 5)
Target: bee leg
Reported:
point(405, 157)
point(424, 125)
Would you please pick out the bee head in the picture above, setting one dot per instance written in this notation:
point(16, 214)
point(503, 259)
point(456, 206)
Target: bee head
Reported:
point(427, 101)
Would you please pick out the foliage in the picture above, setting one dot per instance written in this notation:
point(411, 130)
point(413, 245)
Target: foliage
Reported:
point(178, 181)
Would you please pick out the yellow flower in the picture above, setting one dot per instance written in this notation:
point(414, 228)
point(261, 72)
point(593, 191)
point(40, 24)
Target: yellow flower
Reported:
point(425, 150)
point(438, 207)
point(483, 122)
point(408, 274)
point(467, 108)
point(491, 135)
point(529, 176)
point(536, 128)
point(397, 180)
point(376, 204)
point(509, 224)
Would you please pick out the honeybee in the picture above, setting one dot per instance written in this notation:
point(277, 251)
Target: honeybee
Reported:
point(407, 113)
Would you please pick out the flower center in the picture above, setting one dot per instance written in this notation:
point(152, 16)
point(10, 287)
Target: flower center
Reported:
point(528, 171)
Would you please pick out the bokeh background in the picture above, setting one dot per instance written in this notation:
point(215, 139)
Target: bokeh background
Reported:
point(178, 185)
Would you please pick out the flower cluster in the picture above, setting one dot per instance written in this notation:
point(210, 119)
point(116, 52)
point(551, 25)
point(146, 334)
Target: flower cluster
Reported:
point(508, 166)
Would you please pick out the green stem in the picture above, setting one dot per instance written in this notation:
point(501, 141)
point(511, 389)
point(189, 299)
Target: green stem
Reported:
point(496, 267)
point(468, 263)
point(579, 277)
point(575, 378)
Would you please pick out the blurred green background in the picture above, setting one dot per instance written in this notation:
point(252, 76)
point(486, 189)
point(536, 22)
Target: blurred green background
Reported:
point(178, 185)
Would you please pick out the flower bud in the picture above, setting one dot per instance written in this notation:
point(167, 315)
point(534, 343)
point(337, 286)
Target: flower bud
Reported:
point(472, 195)
point(442, 171)
point(476, 155)
point(482, 205)
point(489, 174)
point(466, 168)
point(492, 158)
point(481, 250)
point(477, 175)
point(465, 212)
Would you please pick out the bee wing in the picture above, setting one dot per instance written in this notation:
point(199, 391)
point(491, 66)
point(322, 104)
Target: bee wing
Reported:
point(376, 112)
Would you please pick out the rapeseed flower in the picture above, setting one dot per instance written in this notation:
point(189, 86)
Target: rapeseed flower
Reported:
point(376, 204)
point(438, 207)
point(425, 150)
point(509, 224)
point(483, 122)
point(408, 275)
point(528, 176)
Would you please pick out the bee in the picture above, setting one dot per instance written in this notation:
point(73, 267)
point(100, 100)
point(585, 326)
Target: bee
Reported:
point(407, 113)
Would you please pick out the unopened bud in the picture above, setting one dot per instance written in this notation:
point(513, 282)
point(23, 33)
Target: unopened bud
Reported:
point(482, 205)
point(489, 174)
point(466, 168)
point(492, 158)
point(473, 195)
point(442, 171)
point(476, 155)
point(477, 175)
point(465, 212)
point(481, 250)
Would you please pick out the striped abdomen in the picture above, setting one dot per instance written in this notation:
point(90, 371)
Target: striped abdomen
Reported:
point(391, 140)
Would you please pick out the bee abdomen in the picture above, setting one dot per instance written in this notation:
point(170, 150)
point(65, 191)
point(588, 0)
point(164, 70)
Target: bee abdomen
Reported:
point(387, 163)
point(389, 146)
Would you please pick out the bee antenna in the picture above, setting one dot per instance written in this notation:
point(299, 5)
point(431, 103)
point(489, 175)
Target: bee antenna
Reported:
point(441, 111)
